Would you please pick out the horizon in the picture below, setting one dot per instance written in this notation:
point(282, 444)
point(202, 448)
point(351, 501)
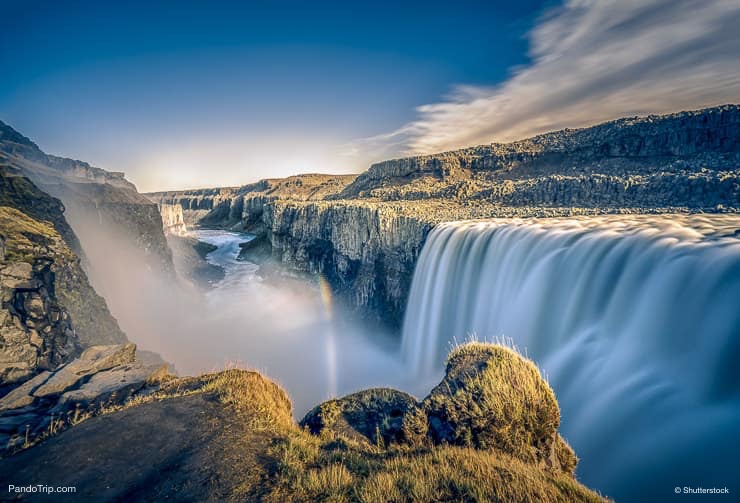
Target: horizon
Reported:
point(238, 186)
point(179, 98)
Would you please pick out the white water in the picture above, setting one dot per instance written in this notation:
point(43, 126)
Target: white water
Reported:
point(634, 320)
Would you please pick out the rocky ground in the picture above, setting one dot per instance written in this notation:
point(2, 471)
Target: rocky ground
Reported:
point(231, 437)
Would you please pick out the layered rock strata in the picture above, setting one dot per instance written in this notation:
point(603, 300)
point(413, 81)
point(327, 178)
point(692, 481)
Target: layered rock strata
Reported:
point(102, 376)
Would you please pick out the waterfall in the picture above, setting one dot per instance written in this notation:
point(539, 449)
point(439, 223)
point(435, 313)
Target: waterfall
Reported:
point(635, 321)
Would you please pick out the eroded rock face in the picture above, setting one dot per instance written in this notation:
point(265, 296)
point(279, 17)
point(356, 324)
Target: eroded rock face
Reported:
point(681, 142)
point(49, 249)
point(366, 252)
point(364, 233)
point(92, 197)
point(172, 219)
point(35, 331)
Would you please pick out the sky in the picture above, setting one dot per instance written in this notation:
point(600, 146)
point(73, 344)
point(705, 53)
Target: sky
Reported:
point(197, 94)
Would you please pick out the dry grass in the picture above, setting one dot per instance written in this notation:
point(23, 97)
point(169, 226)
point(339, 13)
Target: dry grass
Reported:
point(493, 398)
point(264, 455)
point(25, 237)
point(311, 469)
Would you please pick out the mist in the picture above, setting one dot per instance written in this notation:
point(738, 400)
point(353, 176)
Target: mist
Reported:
point(632, 318)
point(287, 328)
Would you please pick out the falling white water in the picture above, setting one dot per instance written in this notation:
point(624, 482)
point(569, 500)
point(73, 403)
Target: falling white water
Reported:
point(635, 321)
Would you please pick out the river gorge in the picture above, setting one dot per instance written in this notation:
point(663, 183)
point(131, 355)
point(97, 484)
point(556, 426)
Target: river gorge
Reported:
point(608, 256)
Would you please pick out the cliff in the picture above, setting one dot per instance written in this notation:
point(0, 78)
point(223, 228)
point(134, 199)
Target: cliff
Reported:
point(173, 219)
point(695, 143)
point(364, 233)
point(38, 241)
point(92, 196)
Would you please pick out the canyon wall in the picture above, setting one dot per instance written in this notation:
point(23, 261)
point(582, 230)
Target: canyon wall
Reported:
point(364, 233)
point(173, 219)
point(38, 240)
point(683, 142)
point(91, 196)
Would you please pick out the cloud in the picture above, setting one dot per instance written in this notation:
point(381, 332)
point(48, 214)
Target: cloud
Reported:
point(591, 61)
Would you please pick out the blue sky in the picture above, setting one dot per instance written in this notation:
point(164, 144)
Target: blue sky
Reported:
point(187, 94)
point(113, 85)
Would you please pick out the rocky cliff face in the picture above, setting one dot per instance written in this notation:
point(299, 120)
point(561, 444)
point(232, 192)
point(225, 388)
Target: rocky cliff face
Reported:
point(172, 219)
point(36, 331)
point(367, 252)
point(680, 143)
point(364, 233)
point(36, 235)
point(86, 190)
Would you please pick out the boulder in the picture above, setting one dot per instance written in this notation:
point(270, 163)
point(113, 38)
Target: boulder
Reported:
point(22, 396)
point(122, 381)
point(93, 359)
point(375, 415)
point(493, 398)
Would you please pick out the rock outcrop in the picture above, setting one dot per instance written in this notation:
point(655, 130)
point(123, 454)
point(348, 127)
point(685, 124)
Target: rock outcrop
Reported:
point(375, 414)
point(680, 143)
point(44, 288)
point(102, 376)
point(491, 398)
point(172, 219)
point(92, 196)
point(49, 250)
point(36, 332)
point(230, 436)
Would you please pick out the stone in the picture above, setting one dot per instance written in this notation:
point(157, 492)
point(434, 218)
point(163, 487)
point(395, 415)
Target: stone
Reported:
point(23, 394)
point(17, 275)
point(122, 380)
point(93, 359)
point(493, 398)
point(375, 415)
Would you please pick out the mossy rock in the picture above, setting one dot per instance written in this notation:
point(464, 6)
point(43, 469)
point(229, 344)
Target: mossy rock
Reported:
point(375, 415)
point(493, 398)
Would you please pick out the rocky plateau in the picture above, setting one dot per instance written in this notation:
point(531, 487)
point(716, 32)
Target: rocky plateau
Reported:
point(365, 232)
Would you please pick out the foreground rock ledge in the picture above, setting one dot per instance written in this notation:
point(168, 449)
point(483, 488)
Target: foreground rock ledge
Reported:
point(231, 436)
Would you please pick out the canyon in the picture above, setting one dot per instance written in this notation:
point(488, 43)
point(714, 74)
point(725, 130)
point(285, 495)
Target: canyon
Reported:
point(336, 283)
point(364, 233)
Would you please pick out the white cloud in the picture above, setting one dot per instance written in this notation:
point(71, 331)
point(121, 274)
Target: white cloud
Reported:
point(591, 61)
